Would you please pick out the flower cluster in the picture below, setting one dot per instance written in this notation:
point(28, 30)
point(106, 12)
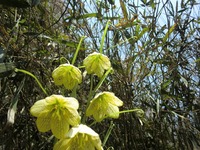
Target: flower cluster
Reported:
point(59, 114)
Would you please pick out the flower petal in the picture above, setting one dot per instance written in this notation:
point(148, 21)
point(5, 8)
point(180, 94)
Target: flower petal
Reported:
point(71, 102)
point(96, 142)
point(85, 129)
point(105, 62)
point(58, 75)
point(61, 145)
point(97, 108)
point(38, 107)
point(99, 70)
point(77, 74)
point(73, 117)
point(51, 100)
point(113, 111)
point(88, 145)
point(111, 98)
point(94, 65)
point(92, 108)
point(59, 125)
point(43, 121)
point(89, 60)
point(99, 114)
point(69, 82)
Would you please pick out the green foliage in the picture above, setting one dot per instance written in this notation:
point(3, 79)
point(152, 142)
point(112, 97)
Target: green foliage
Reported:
point(58, 113)
point(153, 47)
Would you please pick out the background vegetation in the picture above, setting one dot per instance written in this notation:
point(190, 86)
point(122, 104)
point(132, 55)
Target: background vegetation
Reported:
point(154, 47)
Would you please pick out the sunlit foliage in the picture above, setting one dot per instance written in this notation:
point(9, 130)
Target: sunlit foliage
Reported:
point(153, 47)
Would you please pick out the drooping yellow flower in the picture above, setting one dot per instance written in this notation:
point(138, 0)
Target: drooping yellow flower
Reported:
point(79, 138)
point(96, 63)
point(104, 105)
point(67, 75)
point(56, 113)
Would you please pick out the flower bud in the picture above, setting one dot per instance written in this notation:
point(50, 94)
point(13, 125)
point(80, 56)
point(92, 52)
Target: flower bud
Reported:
point(96, 63)
point(67, 75)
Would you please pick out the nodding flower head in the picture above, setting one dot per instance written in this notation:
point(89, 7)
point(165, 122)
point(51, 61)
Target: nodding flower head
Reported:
point(67, 75)
point(56, 113)
point(96, 63)
point(104, 105)
point(79, 138)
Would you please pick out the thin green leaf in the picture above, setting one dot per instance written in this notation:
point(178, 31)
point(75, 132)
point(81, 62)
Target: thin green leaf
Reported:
point(108, 133)
point(84, 16)
point(13, 106)
point(30, 74)
point(184, 81)
point(124, 11)
point(166, 84)
point(142, 33)
point(168, 33)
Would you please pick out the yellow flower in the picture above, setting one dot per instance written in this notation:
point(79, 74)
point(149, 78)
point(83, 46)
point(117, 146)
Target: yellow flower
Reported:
point(80, 138)
point(56, 113)
point(104, 105)
point(96, 63)
point(67, 75)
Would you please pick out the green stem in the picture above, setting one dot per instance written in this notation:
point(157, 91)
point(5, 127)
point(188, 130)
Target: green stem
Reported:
point(77, 50)
point(89, 97)
point(94, 122)
point(30, 74)
point(73, 94)
point(108, 133)
point(102, 79)
point(63, 60)
point(104, 35)
point(132, 110)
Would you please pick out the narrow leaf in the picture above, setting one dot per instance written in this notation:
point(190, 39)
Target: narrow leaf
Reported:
point(89, 15)
point(142, 33)
point(168, 33)
point(184, 81)
point(124, 11)
point(13, 106)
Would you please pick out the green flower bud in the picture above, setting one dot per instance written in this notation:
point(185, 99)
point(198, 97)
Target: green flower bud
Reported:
point(96, 63)
point(56, 113)
point(104, 105)
point(79, 138)
point(67, 75)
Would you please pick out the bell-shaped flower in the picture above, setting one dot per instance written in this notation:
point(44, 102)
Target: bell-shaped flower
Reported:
point(67, 75)
point(96, 63)
point(79, 138)
point(104, 105)
point(56, 113)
